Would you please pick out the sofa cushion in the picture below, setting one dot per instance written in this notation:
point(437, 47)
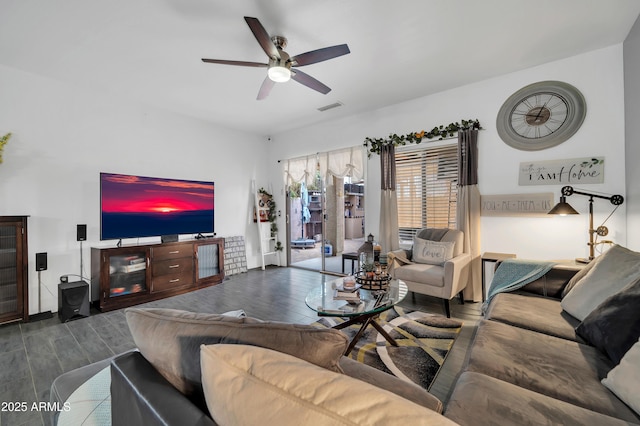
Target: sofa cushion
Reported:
point(421, 273)
point(614, 270)
point(480, 400)
point(614, 326)
point(170, 340)
point(432, 252)
point(553, 283)
point(559, 368)
point(624, 379)
point(541, 314)
point(396, 385)
point(250, 386)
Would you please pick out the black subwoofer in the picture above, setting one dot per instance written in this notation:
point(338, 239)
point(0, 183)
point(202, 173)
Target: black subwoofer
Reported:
point(73, 300)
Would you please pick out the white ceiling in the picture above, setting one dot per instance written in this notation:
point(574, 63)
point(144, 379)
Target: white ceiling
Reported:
point(150, 50)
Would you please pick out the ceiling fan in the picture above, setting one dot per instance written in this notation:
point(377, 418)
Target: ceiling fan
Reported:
point(282, 67)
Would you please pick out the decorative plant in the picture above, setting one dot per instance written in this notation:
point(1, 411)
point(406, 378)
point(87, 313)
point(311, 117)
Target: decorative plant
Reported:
point(279, 246)
point(3, 142)
point(294, 190)
point(271, 217)
point(374, 145)
point(271, 214)
point(368, 267)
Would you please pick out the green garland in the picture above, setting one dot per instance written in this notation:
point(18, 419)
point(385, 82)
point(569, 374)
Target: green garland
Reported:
point(3, 142)
point(374, 145)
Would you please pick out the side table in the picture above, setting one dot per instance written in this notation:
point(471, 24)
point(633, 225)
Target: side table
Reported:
point(495, 258)
point(353, 257)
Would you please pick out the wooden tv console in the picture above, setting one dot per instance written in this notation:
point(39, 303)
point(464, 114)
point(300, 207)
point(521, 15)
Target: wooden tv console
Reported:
point(130, 275)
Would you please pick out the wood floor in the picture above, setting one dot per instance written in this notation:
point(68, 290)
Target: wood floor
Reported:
point(33, 354)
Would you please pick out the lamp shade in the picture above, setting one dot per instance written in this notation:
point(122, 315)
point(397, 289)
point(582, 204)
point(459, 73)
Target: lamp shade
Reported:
point(279, 74)
point(563, 208)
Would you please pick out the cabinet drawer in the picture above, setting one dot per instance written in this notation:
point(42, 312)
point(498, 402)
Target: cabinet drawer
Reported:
point(172, 266)
point(171, 281)
point(174, 251)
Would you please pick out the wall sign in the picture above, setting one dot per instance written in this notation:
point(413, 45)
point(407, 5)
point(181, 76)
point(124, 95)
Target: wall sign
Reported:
point(562, 172)
point(516, 204)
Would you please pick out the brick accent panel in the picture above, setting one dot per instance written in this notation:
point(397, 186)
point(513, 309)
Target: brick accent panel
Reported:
point(235, 256)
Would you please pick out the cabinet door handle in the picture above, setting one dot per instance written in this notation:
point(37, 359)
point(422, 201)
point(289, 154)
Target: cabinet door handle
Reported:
point(174, 252)
point(174, 266)
point(175, 280)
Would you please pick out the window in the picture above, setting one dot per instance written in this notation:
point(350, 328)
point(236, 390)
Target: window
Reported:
point(427, 188)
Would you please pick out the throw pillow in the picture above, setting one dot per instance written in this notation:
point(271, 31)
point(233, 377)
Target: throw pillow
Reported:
point(579, 276)
point(614, 326)
point(432, 252)
point(624, 378)
point(616, 269)
point(170, 340)
point(250, 386)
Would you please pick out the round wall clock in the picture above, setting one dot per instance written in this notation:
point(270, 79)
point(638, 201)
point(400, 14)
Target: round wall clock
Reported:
point(541, 115)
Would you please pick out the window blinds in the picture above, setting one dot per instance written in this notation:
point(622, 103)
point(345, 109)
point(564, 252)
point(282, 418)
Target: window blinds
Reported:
point(426, 187)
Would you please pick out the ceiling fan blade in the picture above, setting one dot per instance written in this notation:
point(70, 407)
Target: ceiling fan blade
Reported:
point(265, 89)
point(309, 81)
point(319, 55)
point(239, 63)
point(263, 37)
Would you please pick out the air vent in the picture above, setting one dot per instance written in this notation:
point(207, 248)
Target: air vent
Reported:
point(330, 106)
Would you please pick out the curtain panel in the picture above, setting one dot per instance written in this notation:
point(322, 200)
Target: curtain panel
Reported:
point(389, 234)
point(347, 162)
point(468, 208)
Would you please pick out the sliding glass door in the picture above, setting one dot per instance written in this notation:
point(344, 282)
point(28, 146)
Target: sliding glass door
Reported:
point(320, 207)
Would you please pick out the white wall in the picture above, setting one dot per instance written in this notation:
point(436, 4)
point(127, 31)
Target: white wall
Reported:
point(632, 112)
point(598, 75)
point(63, 137)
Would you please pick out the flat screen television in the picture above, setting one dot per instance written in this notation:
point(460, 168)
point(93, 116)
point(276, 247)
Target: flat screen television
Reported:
point(138, 206)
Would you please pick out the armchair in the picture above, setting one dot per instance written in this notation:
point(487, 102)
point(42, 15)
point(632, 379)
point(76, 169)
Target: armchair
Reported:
point(444, 279)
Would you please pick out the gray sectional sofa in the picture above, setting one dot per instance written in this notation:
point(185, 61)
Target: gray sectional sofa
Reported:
point(530, 363)
point(162, 383)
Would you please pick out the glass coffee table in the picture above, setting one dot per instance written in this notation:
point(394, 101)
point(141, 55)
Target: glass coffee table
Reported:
point(364, 312)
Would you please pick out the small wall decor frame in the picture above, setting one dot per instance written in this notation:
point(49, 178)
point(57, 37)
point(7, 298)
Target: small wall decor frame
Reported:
point(537, 204)
point(573, 171)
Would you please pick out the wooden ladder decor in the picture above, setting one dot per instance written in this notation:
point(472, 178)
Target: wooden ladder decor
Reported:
point(268, 240)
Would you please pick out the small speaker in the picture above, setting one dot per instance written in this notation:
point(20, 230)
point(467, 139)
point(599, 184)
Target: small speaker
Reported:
point(73, 300)
point(169, 238)
point(82, 232)
point(41, 261)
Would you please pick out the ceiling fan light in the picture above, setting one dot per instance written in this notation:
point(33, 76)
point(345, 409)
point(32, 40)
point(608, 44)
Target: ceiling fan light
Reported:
point(279, 74)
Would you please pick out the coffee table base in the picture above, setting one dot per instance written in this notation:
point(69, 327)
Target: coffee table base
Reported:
point(365, 320)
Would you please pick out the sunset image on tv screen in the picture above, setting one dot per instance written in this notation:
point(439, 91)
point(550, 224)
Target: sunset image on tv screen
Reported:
point(136, 206)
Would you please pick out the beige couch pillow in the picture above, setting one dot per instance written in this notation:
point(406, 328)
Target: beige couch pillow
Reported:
point(624, 379)
point(613, 271)
point(170, 340)
point(246, 385)
point(432, 252)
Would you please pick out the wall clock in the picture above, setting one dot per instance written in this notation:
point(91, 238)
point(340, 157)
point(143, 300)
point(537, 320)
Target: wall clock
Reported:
point(541, 115)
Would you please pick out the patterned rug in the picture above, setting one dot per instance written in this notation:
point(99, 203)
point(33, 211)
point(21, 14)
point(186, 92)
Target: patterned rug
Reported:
point(423, 343)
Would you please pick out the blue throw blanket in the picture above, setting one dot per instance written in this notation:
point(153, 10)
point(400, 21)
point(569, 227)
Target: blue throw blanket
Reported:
point(513, 274)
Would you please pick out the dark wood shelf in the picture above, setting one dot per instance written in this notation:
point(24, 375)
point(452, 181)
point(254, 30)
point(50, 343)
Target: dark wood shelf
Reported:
point(168, 269)
point(14, 260)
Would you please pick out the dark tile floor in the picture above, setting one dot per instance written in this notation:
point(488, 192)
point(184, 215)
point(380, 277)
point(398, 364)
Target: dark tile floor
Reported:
point(33, 354)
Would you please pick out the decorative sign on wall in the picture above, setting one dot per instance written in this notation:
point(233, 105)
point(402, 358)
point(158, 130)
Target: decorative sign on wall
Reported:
point(516, 204)
point(562, 172)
